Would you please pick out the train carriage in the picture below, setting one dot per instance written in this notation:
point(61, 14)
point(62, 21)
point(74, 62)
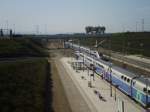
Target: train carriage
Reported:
point(122, 78)
point(136, 87)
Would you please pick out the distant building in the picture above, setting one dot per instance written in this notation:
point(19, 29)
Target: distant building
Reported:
point(95, 30)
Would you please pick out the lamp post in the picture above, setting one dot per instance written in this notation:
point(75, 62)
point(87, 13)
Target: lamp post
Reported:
point(76, 62)
point(116, 86)
point(79, 45)
point(110, 71)
point(88, 71)
point(110, 66)
point(76, 66)
point(93, 68)
point(83, 61)
point(146, 92)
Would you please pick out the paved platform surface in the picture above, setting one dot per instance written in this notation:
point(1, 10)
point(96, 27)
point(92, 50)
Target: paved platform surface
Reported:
point(75, 99)
point(99, 86)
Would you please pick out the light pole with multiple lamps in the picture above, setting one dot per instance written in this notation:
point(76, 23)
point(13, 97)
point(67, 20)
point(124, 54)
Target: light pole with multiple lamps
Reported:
point(110, 75)
point(116, 86)
point(110, 66)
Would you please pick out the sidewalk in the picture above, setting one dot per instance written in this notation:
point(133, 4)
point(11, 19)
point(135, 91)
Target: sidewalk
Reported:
point(98, 97)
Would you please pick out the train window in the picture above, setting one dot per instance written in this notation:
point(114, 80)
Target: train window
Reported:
point(100, 66)
point(122, 77)
point(148, 91)
point(128, 80)
point(144, 89)
point(125, 78)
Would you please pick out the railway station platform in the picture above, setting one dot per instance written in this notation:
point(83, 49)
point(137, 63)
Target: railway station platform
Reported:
point(96, 91)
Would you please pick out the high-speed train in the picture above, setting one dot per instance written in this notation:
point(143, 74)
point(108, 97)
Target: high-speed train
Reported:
point(82, 49)
point(136, 87)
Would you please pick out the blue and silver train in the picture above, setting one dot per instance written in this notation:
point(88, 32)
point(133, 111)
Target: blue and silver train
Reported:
point(136, 87)
point(82, 49)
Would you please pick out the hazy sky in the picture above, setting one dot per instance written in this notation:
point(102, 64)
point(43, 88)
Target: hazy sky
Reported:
point(67, 16)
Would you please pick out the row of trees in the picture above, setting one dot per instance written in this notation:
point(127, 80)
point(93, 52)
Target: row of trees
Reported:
point(95, 30)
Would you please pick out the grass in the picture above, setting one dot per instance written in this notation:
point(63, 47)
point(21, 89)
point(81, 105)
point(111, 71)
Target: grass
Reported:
point(22, 85)
point(129, 42)
point(19, 48)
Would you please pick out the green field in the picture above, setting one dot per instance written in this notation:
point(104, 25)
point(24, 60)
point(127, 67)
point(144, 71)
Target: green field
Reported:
point(20, 48)
point(129, 42)
point(22, 85)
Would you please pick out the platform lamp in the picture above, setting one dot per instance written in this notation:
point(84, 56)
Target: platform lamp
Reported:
point(110, 73)
point(146, 80)
point(83, 62)
point(110, 66)
point(116, 86)
point(88, 70)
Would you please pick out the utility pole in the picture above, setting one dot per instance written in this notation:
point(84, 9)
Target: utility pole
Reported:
point(45, 29)
point(123, 28)
point(79, 45)
point(83, 62)
point(142, 25)
point(136, 25)
point(37, 29)
point(124, 52)
point(7, 24)
point(14, 28)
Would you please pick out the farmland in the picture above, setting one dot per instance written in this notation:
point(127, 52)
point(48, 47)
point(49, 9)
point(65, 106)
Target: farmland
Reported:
point(129, 42)
point(20, 48)
point(22, 85)
point(29, 81)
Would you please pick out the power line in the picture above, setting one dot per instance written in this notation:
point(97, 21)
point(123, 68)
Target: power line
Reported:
point(136, 26)
point(45, 29)
point(6, 24)
point(142, 25)
point(37, 29)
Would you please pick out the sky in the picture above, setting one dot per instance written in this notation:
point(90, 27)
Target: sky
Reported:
point(72, 16)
